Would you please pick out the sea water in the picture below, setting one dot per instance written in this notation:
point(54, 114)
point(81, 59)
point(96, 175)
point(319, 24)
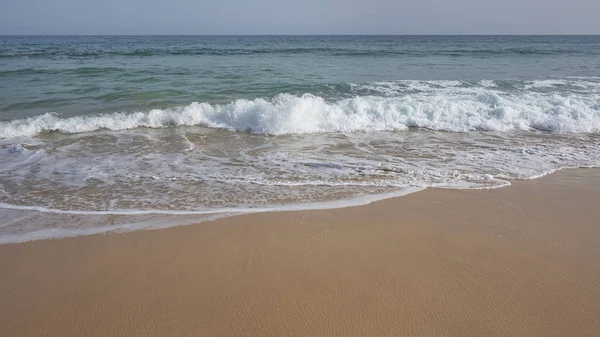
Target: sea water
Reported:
point(106, 133)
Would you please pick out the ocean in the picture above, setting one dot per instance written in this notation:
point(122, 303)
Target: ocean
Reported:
point(118, 133)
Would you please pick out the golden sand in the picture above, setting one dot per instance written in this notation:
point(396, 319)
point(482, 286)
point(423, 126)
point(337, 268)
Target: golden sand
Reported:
point(517, 261)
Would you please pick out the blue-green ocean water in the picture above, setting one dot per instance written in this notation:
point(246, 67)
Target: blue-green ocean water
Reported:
point(195, 126)
point(90, 75)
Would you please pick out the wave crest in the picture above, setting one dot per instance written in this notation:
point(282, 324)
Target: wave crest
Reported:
point(289, 114)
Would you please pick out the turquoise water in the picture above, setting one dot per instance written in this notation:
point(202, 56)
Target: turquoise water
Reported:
point(188, 127)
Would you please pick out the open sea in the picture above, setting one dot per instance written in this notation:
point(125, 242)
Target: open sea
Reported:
point(115, 133)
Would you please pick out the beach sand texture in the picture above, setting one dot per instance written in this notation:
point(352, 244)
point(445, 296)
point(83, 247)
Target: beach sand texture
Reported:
point(517, 261)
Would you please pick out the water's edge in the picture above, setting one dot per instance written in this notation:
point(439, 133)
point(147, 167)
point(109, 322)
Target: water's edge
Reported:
point(187, 218)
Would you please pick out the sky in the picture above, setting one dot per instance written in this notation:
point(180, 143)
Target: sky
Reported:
point(248, 17)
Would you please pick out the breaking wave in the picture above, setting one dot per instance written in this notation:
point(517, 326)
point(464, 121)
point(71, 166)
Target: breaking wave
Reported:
point(288, 114)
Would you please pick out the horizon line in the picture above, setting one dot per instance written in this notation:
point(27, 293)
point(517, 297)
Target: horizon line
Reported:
point(513, 34)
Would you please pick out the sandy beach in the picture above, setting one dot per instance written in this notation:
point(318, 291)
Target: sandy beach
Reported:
point(515, 261)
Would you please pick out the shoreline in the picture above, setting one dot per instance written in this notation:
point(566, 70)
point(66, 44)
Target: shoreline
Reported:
point(520, 260)
point(213, 215)
point(209, 215)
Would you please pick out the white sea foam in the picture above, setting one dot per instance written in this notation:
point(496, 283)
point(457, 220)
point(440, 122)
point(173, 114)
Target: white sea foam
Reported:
point(133, 220)
point(331, 204)
point(457, 110)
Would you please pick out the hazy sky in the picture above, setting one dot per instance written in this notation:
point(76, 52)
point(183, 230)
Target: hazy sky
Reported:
point(299, 17)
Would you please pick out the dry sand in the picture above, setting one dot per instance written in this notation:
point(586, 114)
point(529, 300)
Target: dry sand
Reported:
point(517, 261)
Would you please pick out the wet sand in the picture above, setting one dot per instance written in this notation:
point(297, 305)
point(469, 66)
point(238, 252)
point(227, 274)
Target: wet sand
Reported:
point(517, 261)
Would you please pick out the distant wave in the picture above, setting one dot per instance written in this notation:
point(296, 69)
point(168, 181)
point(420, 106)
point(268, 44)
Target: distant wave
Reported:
point(334, 51)
point(444, 109)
